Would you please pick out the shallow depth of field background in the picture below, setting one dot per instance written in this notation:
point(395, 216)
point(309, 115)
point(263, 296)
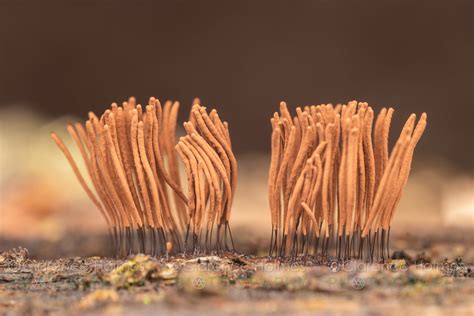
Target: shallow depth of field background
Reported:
point(59, 60)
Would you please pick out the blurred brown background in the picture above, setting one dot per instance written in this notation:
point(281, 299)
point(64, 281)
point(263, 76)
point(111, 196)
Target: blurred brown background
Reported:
point(62, 58)
point(243, 57)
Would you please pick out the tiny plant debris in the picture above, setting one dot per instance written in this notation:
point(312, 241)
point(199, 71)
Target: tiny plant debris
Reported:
point(129, 154)
point(98, 298)
point(333, 187)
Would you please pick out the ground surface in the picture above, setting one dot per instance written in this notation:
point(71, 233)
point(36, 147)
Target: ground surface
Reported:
point(420, 283)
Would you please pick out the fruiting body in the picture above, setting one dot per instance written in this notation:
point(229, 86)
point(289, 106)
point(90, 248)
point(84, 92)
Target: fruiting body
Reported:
point(332, 185)
point(129, 153)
